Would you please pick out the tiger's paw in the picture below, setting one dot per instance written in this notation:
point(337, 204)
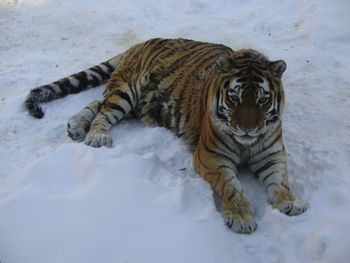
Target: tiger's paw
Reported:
point(77, 128)
point(239, 216)
point(98, 140)
point(284, 200)
point(291, 208)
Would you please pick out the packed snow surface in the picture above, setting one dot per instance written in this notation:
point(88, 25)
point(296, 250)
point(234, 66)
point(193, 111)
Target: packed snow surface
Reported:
point(141, 200)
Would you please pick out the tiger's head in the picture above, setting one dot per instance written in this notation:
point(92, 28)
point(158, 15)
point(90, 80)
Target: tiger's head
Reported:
point(250, 97)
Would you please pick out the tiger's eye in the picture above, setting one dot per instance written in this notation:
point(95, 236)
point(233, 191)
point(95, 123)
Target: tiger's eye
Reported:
point(263, 100)
point(235, 99)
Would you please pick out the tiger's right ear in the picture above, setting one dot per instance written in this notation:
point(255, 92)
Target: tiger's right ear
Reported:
point(224, 64)
point(278, 67)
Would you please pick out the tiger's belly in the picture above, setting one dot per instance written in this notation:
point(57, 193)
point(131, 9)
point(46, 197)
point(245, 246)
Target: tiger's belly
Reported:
point(157, 109)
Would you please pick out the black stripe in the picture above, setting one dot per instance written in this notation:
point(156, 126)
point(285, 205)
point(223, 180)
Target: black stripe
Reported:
point(290, 209)
point(65, 86)
point(109, 67)
point(107, 118)
point(115, 116)
point(200, 160)
point(225, 166)
point(124, 96)
point(159, 47)
point(234, 191)
point(268, 176)
point(272, 143)
point(242, 66)
point(94, 81)
point(221, 116)
point(88, 108)
point(176, 65)
point(271, 184)
point(194, 47)
point(71, 83)
point(244, 79)
point(219, 112)
point(217, 180)
point(215, 152)
point(267, 166)
point(285, 186)
point(115, 106)
point(53, 93)
point(278, 99)
point(257, 78)
point(177, 122)
point(206, 95)
point(265, 157)
point(83, 81)
point(171, 86)
point(212, 141)
point(216, 145)
point(223, 185)
point(131, 88)
point(217, 136)
point(134, 91)
point(100, 72)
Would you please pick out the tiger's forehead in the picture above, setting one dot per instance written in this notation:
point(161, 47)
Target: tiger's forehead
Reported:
point(263, 84)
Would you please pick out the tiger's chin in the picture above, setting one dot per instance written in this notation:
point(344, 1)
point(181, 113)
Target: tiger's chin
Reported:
point(246, 139)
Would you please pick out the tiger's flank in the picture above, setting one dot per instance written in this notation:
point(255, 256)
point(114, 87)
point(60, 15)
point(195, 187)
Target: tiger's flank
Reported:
point(226, 105)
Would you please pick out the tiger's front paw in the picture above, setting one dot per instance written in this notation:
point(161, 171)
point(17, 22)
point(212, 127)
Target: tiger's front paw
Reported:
point(239, 217)
point(284, 200)
point(98, 139)
point(77, 129)
point(291, 208)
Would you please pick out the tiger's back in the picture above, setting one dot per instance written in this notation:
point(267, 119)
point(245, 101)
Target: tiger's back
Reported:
point(169, 81)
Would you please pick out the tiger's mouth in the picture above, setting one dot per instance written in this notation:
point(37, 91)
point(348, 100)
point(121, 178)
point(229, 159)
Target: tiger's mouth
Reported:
point(246, 139)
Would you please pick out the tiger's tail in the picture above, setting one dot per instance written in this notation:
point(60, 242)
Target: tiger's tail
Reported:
point(89, 78)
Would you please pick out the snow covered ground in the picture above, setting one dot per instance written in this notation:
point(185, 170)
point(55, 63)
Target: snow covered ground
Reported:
point(141, 201)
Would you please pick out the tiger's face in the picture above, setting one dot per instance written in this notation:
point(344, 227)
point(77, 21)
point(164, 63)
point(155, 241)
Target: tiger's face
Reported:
point(251, 108)
point(251, 99)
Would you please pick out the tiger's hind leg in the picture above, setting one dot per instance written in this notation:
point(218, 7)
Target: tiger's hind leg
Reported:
point(118, 103)
point(79, 125)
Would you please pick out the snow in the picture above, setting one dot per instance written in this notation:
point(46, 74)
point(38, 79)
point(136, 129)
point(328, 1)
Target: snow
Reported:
point(141, 200)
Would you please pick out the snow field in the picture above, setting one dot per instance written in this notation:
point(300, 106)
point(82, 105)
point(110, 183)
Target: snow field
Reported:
point(141, 201)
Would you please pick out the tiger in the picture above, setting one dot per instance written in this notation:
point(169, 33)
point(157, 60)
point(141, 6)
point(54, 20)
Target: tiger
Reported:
point(226, 105)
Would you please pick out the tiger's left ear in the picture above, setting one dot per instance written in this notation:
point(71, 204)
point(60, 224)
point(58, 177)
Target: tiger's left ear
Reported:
point(278, 67)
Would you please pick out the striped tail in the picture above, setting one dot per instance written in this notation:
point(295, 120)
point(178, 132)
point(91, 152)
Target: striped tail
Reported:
point(89, 78)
